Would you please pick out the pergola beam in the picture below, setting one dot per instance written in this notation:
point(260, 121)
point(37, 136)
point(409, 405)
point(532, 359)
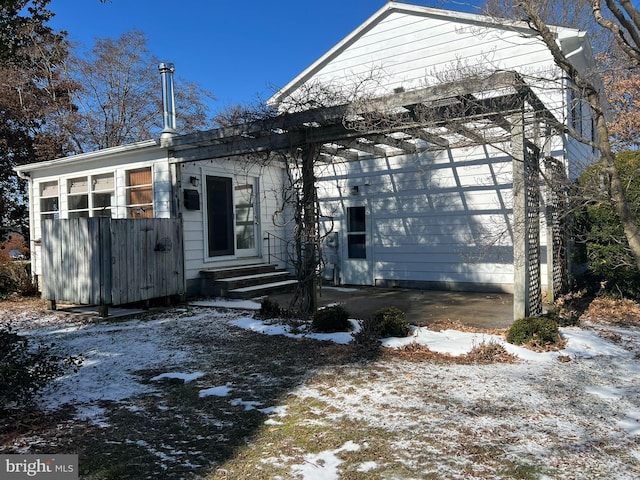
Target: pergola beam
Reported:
point(500, 102)
point(420, 100)
point(240, 142)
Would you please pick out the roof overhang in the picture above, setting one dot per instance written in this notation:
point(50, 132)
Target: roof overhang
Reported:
point(89, 157)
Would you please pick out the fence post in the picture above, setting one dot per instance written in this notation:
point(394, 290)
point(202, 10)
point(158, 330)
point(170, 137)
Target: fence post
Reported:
point(104, 269)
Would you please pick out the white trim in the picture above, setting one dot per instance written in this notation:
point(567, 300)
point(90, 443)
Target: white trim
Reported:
point(212, 172)
point(24, 170)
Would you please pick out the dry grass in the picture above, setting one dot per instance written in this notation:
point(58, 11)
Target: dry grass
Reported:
point(489, 352)
point(17, 304)
point(613, 311)
point(547, 347)
point(440, 325)
point(357, 401)
point(483, 353)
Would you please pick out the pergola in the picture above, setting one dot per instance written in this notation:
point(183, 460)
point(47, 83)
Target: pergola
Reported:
point(497, 109)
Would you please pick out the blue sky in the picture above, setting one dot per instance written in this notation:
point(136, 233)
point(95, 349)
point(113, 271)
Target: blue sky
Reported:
point(236, 49)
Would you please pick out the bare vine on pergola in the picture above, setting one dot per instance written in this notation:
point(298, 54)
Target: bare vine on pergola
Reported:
point(497, 108)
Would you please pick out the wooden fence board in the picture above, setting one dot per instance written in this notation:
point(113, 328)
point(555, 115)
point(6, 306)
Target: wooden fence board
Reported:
point(111, 261)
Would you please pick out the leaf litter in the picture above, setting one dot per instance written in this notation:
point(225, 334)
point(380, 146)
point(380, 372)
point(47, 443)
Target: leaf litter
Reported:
point(421, 412)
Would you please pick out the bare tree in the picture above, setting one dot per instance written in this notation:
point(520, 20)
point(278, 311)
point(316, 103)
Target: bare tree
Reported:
point(118, 99)
point(623, 21)
point(32, 90)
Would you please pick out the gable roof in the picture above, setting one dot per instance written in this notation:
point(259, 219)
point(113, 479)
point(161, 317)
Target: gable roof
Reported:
point(392, 7)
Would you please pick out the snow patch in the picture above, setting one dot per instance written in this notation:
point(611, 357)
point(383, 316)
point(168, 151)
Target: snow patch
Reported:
point(247, 404)
point(221, 391)
point(323, 465)
point(185, 377)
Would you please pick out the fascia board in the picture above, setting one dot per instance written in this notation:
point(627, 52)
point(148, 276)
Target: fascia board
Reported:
point(75, 160)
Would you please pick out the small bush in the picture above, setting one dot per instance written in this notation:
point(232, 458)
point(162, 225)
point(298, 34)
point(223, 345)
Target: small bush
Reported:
point(270, 309)
point(15, 278)
point(536, 331)
point(489, 352)
point(367, 338)
point(25, 370)
point(331, 319)
point(391, 322)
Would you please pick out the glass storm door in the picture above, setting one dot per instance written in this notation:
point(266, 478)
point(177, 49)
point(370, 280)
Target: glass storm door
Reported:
point(246, 224)
point(220, 216)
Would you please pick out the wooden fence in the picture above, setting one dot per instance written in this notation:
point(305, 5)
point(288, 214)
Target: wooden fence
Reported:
point(104, 261)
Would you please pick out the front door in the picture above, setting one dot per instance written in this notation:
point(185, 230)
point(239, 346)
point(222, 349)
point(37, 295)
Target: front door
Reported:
point(220, 216)
point(246, 225)
point(357, 252)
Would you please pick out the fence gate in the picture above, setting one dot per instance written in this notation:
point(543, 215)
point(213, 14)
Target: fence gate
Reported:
point(104, 261)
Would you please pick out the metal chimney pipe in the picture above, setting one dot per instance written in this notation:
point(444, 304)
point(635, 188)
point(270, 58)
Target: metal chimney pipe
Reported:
point(168, 101)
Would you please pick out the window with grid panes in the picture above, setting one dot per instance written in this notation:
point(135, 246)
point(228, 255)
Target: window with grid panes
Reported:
point(49, 200)
point(139, 193)
point(102, 193)
point(78, 197)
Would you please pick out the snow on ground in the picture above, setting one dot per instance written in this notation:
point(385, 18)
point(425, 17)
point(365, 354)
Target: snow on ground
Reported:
point(323, 465)
point(226, 303)
point(541, 410)
point(112, 353)
point(269, 328)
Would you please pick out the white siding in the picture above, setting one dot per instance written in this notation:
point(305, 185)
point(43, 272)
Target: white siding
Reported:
point(409, 50)
point(441, 219)
point(269, 199)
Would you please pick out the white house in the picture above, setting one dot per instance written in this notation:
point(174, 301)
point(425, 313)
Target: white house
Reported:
point(437, 218)
point(428, 206)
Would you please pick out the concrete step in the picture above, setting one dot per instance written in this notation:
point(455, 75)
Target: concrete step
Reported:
point(217, 273)
point(244, 281)
point(232, 283)
point(246, 293)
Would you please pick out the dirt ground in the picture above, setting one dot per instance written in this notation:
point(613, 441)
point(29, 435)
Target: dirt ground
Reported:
point(277, 407)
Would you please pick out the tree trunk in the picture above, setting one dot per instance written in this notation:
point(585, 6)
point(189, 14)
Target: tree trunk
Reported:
point(616, 191)
point(590, 92)
point(309, 233)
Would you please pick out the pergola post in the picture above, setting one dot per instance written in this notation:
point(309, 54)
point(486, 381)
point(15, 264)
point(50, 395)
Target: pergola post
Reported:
point(527, 291)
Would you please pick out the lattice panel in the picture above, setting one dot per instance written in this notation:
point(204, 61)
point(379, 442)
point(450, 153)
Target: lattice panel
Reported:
point(556, 209)
point(532, 187)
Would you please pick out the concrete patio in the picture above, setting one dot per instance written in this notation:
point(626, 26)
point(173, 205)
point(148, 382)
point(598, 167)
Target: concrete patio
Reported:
point(422, 307)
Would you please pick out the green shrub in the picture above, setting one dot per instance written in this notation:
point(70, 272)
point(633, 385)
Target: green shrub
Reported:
point(367, 339)
point(270, 309)
point(390, 322)
point(537, 331)
point(605, 249)
point(25, 370)
point(331, 319)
